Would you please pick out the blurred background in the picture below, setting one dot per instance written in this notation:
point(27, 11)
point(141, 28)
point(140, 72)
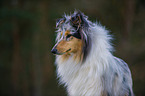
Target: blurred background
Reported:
point(27, 34)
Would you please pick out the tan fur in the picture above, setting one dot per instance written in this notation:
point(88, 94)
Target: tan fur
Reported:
point(74, 46)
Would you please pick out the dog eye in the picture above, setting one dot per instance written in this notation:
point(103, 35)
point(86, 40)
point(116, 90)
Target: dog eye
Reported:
point(68, 37)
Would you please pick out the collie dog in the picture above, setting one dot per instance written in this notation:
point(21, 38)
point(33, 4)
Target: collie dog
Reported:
point(85, 64)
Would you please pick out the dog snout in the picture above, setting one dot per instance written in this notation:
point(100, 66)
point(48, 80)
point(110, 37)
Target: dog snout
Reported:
point(54, 50)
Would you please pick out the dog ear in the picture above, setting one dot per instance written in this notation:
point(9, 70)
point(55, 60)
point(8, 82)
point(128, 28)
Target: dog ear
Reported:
point(59, 22)
point(78, 20)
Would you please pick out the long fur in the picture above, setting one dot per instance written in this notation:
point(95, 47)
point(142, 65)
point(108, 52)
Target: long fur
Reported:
point(100, 73)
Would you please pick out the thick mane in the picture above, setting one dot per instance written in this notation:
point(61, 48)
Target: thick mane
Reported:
point(100, 73)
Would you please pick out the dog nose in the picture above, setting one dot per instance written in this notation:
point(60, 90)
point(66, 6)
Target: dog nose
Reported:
point(54, 51)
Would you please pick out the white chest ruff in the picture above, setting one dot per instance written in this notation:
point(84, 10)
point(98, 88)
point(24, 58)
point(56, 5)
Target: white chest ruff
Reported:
point(80, 79)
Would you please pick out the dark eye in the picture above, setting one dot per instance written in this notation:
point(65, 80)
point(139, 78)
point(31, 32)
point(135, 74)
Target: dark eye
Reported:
point(69, 37)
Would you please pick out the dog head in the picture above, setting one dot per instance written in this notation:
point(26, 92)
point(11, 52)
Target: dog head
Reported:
point(71, 34)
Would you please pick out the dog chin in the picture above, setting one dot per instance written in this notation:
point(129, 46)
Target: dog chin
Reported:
point(63, 52)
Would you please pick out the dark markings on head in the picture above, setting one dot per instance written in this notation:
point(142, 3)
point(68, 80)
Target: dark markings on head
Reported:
point(78, 19)
point(79, 22)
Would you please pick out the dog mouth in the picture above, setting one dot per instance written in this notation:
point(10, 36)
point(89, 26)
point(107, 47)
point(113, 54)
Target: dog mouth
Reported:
point(63, 52)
